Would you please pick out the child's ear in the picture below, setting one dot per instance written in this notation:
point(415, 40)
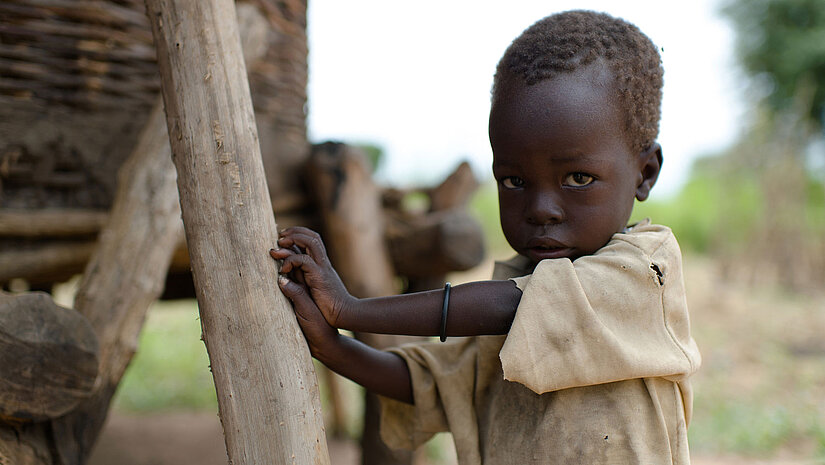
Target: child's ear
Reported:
point(650, 162)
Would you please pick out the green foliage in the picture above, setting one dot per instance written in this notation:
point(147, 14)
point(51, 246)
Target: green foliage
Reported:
point(373, 152)
point(712, 206)
point(484, 207)
point(170, 369)
point(691, 214)
point(781, 43)
point(415, 201)
point(754, 427)
point(723, 208)
point(743, 427)
point(814, 204)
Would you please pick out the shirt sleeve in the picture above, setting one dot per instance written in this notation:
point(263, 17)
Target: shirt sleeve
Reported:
point(616, 315)
point(443, 379)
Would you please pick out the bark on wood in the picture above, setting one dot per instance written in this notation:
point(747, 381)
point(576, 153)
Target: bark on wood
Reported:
point(27, 444)
point(267, 390)
point(48, 358)
point(349, 205)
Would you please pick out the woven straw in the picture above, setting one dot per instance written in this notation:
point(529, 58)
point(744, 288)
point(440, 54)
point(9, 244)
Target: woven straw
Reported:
point(78, 78)
point(80, 53)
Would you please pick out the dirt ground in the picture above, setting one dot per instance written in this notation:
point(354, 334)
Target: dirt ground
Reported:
point(196, 438)
point(178, 439)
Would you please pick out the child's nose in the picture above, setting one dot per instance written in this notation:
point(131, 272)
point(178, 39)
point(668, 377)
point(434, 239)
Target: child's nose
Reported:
point(545, 208)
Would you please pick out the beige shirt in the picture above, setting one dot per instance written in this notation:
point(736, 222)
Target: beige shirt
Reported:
point(594, 369)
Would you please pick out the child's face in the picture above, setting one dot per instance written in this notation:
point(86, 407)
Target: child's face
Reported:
point(566, 176)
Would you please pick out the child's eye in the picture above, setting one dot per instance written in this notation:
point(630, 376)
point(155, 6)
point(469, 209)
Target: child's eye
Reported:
point(578, 179)
point(512, 182)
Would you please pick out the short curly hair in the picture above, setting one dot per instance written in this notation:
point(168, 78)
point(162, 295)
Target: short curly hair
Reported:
point(567, 41)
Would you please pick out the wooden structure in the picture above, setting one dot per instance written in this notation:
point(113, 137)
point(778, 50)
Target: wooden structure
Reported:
point(78, 104)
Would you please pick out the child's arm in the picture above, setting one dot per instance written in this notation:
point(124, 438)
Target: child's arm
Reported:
point(384, 373)
point(480, 308)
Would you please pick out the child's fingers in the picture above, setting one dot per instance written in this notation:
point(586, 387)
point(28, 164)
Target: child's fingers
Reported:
point(298, 295)
point(280, 253)
point(295, 292)
point(305, 239)
point(297, 275)
point(296, 230)
point(300, 262)
point(307, 312)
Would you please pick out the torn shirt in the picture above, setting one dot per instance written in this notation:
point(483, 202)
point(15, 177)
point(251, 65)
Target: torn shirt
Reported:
point(594, 369)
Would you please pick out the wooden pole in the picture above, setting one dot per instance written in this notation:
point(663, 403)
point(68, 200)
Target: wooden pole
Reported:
point(267, 391)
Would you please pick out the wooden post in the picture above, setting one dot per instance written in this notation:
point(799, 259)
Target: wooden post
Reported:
point(267, 391)
point(349, 204)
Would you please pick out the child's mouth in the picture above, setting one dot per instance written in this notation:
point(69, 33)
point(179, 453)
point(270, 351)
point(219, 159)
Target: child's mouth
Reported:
point(544, 252)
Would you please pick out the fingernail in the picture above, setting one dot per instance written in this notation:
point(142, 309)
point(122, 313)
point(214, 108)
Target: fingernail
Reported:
point(282, 279)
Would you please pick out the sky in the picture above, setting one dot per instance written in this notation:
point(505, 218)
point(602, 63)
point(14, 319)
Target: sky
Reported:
point(414, 78)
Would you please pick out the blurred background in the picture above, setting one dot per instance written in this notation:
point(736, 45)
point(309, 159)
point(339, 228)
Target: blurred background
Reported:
point(742, 188)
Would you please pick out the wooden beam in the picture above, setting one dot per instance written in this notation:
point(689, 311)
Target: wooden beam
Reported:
point(436, 243)
point(51, 222)
point(267, 391)
point(48, 262)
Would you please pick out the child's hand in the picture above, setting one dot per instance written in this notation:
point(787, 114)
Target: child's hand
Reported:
point(320, 336)
point(310, 265)
point(384, 373)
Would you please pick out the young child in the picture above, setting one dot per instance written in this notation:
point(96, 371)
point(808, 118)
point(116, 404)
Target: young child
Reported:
point(583, 350)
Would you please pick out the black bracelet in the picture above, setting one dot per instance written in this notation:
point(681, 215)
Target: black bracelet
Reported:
point(443, 332)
